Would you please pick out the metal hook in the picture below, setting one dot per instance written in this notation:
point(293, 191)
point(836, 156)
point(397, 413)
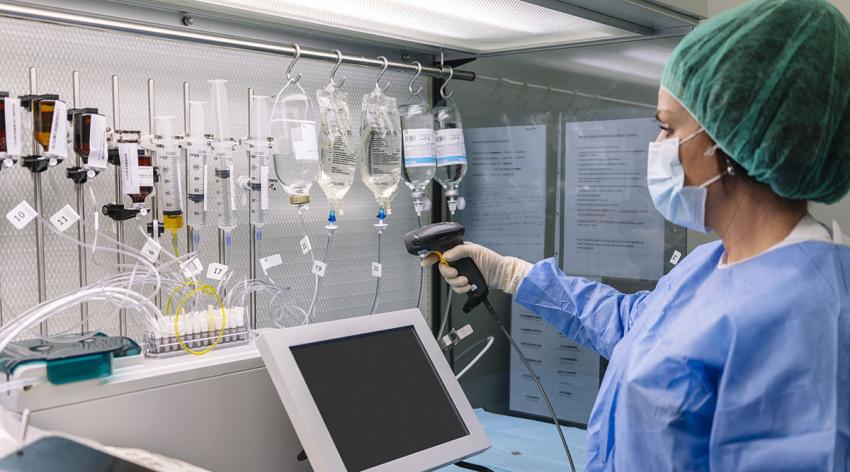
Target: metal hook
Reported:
point(336, 68)
point(383, 69)
point(522, 104)
point(418, 73)
point(544, 104)
point(292, 64)
point(443, 87)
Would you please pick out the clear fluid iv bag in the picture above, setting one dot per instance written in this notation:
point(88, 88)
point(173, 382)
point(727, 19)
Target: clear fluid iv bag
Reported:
point(196, 167)
point(259, 148)
point(419, 162)
point(169, 165)
point(450, 150)
point(338, 147)
point(222, 148)
point(295, 142)
point(380, 136)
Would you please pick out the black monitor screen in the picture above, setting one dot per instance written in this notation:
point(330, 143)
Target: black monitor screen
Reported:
point(379, 395)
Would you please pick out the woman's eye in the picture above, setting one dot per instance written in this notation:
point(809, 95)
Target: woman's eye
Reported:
point(667, 131)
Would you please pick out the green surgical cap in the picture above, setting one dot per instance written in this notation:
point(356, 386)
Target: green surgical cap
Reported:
point(769, 81)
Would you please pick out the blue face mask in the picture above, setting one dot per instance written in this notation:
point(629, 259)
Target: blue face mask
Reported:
point(684, 206)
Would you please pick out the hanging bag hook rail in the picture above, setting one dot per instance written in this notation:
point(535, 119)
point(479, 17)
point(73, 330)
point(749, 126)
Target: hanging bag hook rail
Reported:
point(292, 64)
point(381, 75)
point(415, 77)
point(443, 87)
point(336, 68)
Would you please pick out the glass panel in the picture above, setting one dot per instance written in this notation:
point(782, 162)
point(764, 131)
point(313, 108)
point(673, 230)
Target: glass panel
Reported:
point(556, 144)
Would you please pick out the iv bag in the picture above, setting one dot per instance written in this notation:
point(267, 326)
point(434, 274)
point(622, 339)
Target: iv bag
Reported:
point(380, 136)
point(418, 160)
point(450, 149)
point(338, 148)
point(295, 139)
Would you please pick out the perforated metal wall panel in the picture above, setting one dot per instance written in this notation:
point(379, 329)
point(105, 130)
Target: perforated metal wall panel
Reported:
point(56, 51)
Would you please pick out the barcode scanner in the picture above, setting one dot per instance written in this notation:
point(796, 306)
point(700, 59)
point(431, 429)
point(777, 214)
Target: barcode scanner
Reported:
point(438, 238)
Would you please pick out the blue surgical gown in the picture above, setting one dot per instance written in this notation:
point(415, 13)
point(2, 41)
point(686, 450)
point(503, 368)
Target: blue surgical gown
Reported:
point(745, 368)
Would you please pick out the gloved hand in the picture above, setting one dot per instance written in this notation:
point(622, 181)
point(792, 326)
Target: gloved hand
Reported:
point(503, 273)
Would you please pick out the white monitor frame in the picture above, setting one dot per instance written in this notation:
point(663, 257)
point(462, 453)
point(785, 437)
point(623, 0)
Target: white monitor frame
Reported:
point(275, 347)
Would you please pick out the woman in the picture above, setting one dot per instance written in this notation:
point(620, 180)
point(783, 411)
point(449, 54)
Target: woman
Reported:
point(740, 358)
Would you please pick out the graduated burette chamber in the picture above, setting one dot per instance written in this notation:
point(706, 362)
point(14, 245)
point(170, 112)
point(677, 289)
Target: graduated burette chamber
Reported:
point(260, 147)
point(197, 170)
point(168, 158)
point(222, 148)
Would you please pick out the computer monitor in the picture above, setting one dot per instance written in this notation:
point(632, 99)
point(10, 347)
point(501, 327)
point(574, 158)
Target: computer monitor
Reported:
point(372, 393)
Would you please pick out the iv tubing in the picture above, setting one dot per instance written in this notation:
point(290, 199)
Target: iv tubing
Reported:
point(489, 340)
point(378, 282)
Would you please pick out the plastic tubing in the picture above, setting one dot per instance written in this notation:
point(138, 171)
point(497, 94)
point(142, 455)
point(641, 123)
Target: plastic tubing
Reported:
point(489, 340)
point(218, 104)
point(378, 282)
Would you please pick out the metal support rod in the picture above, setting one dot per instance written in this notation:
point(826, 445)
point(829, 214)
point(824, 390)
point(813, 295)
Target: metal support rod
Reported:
point(39, 208)
point(155, 216)
point(119, 197)
point(252, 237)
point(65, 17)
point(81, 210)
point(190, 237)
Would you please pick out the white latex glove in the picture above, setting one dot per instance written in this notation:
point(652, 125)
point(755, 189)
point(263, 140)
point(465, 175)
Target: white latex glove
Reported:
point(503, 273)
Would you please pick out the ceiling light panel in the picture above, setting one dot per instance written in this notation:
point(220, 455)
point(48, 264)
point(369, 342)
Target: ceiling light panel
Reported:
point(467, 25)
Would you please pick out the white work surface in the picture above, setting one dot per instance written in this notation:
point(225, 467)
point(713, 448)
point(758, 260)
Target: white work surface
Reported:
point(522, 445)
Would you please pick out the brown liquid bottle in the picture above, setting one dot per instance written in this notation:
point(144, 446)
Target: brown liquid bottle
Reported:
point(82, 133)
point(144, 190)
point(43, 120)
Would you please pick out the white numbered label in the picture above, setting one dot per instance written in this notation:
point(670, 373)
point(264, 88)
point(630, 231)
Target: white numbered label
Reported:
point(676, 257)
point(151, 250)
point(377, 269)
point(305, 245)
point(192, 267)
point(319, 268)
point(97, 142)
point(21, 215)
point(64, 218)
point(271, 261)
point(216, 271)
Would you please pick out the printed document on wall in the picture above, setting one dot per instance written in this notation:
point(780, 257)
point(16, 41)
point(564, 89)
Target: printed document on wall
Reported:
point(611, 228)
point(506, 211)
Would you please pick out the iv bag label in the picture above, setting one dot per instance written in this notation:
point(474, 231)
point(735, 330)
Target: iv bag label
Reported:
point(144, 176)
point(12, 112)
point(97, 143)
point(305, 245)
point(449, 147)
point(264, 187)
point(271, 261)
point(151, 250)
point(384, 152)
point(58, 144)
point(64, 218)
point(304, 143)
point(21, 215)
point(377, 269)
point(319, 268)
point(216, 271)
point(419, 148)
point(191, 268)
point(129, 157)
